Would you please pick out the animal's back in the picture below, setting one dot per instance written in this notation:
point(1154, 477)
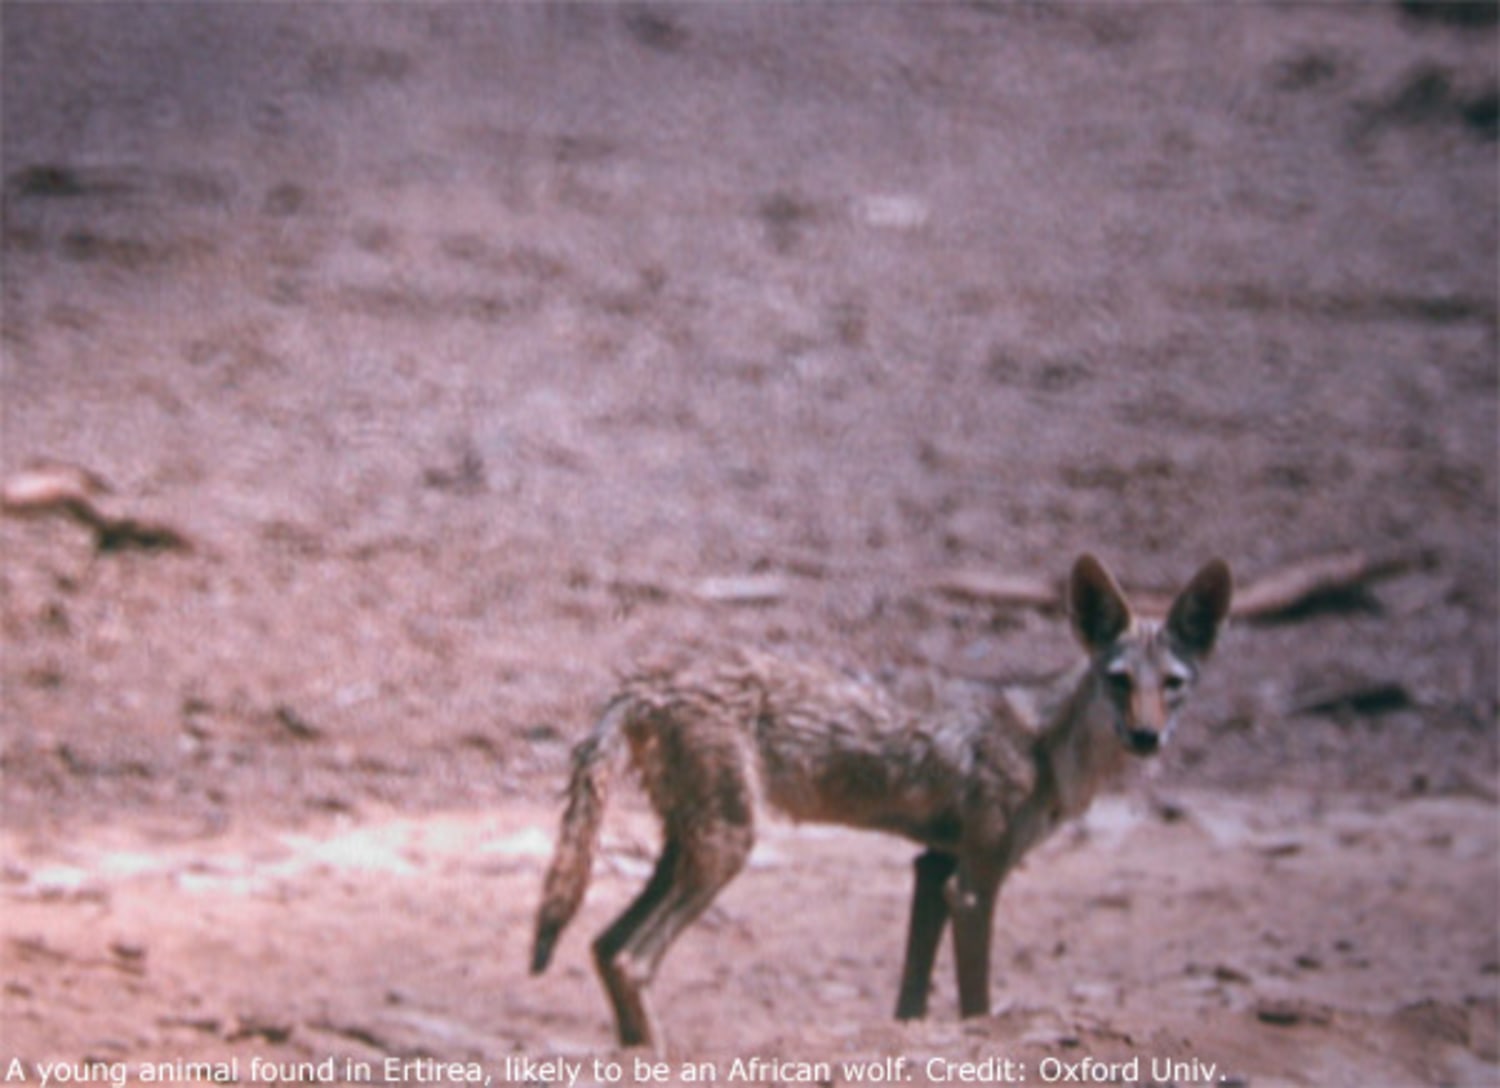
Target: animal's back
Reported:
point(823, 745)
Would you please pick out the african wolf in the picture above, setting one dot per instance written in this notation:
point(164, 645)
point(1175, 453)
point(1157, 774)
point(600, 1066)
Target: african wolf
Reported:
point(716, 743)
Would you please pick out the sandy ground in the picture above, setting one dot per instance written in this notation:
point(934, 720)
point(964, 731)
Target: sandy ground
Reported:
point(480, 350)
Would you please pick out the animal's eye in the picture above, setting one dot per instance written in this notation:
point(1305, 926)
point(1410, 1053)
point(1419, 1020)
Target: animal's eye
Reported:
point(1119, 681)
point(1173, 683)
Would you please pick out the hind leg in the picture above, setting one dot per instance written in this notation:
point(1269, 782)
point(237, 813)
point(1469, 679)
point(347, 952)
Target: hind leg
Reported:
point(687, 878)
point(696, 773)
point(633, 1017)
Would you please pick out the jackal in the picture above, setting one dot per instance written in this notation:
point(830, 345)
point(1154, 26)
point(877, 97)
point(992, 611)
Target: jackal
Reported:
point(972, 781)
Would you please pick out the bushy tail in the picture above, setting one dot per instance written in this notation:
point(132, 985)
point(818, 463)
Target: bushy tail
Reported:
point(568, 876)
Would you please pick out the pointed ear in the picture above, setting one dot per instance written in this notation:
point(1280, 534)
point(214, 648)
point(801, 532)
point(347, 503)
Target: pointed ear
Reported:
point(1199, 612)
point(1097, 605)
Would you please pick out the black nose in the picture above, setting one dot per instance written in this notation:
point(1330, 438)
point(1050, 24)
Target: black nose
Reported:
point(1143, 742)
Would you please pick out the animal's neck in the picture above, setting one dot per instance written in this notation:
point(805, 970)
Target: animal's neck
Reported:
point(1077, 745)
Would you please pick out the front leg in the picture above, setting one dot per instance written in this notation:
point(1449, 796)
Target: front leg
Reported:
point(929, 916)
point(971, 901)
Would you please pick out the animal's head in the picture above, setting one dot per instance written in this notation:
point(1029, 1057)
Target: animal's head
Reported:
point(1146, 667)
